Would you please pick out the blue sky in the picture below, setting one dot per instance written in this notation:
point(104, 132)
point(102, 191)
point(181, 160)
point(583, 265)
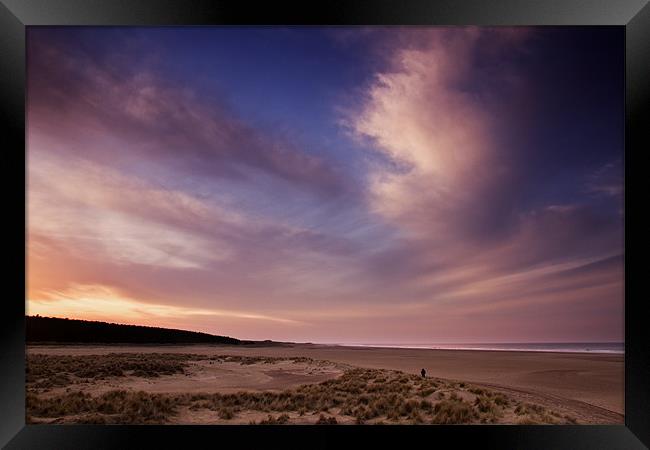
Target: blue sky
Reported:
point(449, 184)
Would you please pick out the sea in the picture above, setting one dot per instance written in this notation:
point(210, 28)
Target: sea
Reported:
point(561, 347)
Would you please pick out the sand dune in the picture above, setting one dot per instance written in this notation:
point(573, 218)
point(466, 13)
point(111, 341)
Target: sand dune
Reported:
point(586, 386)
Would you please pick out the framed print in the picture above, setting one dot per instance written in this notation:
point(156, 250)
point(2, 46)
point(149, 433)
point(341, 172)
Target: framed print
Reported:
point(345, 223)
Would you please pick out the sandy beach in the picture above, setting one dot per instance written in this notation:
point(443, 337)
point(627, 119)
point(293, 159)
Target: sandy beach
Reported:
point(586, 386)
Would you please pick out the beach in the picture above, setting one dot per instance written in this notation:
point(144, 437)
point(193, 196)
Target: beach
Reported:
point(589, 387)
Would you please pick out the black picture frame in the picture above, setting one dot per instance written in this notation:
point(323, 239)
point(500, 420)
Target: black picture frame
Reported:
point(15, 15)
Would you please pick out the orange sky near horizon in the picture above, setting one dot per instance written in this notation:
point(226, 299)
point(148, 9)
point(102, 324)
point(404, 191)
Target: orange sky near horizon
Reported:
point(392, 185)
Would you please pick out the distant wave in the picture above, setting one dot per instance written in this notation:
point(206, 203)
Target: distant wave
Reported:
point(596, 347)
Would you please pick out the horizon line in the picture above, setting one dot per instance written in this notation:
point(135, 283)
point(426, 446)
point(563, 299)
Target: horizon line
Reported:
point(404, 344)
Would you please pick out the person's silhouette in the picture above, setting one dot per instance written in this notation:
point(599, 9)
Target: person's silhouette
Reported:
point(423, 373)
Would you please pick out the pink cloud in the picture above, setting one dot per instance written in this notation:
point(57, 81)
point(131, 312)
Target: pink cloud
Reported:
point(120, 113)
point(126, 204)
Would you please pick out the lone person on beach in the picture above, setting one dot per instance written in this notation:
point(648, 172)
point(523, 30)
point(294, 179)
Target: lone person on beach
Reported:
point(424, 373)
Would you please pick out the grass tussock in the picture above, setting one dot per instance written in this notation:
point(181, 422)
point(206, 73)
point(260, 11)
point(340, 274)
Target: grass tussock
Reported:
point(45, 372)
point(271, 420)
point(226, 413)
point(453, 412)
point(530, 414)
point(322, 420)
point(112, 407)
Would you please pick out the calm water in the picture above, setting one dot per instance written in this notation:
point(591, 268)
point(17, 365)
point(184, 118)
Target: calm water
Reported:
point(565, 347)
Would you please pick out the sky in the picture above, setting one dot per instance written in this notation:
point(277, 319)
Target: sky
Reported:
point(337, 185)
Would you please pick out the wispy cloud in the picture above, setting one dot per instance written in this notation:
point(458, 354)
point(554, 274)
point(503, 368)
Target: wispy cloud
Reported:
point(129, 112)
point(154, 201)
point(606, 180)
point(98, 213)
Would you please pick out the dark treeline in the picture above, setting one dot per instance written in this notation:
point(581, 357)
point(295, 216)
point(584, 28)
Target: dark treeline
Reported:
point(50, 329)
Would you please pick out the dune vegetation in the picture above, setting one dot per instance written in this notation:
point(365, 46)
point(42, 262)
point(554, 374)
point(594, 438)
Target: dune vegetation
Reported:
point(360, 396)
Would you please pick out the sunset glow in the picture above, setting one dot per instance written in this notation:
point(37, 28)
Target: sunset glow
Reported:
point(329, 184)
